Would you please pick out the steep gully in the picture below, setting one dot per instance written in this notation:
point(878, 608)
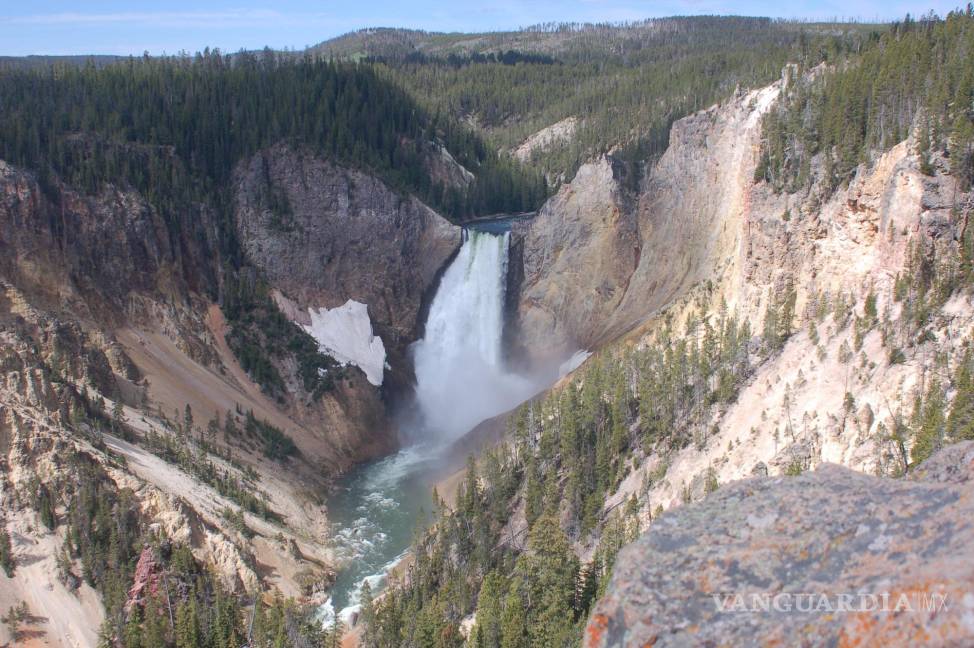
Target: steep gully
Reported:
point(461, 380)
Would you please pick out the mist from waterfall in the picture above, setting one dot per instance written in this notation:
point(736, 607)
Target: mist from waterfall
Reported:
point(460, 374)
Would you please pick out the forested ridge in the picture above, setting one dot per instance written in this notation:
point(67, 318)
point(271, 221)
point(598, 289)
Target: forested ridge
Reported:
point(916, 75)
point(625, 84)
point(173, 128)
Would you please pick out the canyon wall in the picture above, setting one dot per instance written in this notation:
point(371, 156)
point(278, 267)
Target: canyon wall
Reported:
point(340, 234)
point(576, 258)
point(600, 258)
point(712, 241)
point(108, 309)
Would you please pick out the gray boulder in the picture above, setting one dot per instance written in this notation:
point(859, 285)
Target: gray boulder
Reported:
point(828, 558)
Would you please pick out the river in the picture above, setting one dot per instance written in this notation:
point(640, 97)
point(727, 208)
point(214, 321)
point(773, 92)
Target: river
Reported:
point(374, 512)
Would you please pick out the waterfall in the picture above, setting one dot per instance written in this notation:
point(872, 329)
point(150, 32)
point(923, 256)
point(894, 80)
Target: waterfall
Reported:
point(460, 376)
point(460, 381)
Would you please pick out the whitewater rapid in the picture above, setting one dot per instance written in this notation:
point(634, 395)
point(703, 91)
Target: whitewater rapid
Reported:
point(373, 514)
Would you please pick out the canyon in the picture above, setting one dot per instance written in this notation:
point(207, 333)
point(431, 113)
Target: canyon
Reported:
point(432, 328)
point(96, 287)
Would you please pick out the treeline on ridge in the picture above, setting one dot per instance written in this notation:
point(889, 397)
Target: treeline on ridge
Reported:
point(129, 123)
point(625, 85)
point(916, 76)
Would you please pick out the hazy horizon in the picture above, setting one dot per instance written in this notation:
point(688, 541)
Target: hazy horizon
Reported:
point(58, 28)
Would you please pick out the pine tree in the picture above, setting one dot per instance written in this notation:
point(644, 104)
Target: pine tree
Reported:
point(923, 148)
point(470, 493)
point(118, 418)
point(187, 624)
point(534, 494)
point(132, 634)
point(514, 631)
point(212, 428)
point(6, 552)
point(779, 316)
point(549, 569)
point(367, 616)
point(106, 635)
point(155, 627)
point(187, 428)
point(929, 422)
point(230, 430)
point(960, 422)
point(489, 611)
point(45, 506)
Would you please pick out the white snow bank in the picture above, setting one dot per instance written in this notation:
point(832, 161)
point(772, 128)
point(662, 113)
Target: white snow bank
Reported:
point(345, 333)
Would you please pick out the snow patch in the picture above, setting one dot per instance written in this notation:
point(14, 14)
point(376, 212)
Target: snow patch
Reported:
point(345, 333)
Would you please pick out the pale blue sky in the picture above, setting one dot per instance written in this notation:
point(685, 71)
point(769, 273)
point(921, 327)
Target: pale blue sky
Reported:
point(132, 26)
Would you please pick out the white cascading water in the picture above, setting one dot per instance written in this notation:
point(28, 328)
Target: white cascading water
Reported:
point(461, 381)
point(460, 377)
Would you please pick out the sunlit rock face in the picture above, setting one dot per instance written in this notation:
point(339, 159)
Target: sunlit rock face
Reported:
point(609, 250)
point(832, 557)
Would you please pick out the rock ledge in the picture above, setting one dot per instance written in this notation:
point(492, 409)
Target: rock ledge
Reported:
point(831, 557)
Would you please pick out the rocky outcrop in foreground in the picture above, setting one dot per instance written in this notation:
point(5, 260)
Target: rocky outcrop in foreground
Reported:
point(829, 558)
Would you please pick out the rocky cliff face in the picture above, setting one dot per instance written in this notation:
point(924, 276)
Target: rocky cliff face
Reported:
point(828, 244)
point(336, 234)
point(596, 264)
point(712, 243)
point(597, 261)
point(577, 256)
point(91, 255)
point(548, 137)
point(842, 382)
point(59, 374)
point(107, 307)
point(109, 269)
point(833, 557)
point(39, 430)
